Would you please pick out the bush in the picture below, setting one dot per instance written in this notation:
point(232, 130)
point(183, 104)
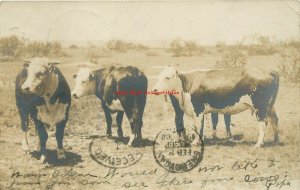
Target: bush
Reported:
point(231, 58)
point(73, 46)
point(11, 48)
point(151, 53)
point(185, 48)
point(44, 49)
point(94, 54)
point(289, 66)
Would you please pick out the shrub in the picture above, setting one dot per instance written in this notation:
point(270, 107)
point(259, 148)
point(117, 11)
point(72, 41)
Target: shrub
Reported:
point(151, 53)
point(94, 54)
point(231, 57)
point(289, 66)
point(11, 48)
point(185, 48)
point(44, 49)
point(73, 46)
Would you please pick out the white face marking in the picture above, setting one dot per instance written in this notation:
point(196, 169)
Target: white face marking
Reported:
point(168, 80)
point(37, 73)
point(83, 85)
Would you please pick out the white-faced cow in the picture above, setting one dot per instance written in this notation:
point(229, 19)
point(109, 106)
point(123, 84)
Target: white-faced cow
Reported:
point(43, 94)
point(226, 92)
point(112, 86)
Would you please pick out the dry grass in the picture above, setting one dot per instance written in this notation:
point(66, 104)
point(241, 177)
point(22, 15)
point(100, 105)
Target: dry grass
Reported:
point(87, 120)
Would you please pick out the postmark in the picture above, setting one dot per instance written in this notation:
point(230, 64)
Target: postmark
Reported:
point(177, 155)
point(120, 156)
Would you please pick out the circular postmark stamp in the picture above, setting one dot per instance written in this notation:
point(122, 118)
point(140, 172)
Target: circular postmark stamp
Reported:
point(177, 155)
point(113, 155)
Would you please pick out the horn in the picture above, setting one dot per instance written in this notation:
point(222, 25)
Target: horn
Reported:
point(26, 63)
point(53, 62)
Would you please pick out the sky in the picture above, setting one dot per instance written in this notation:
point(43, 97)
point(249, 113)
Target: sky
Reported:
point(206, 22)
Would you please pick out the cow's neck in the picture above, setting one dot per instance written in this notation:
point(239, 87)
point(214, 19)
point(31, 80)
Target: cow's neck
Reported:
point(92, 87)
point(181, 97)
point(50, 87)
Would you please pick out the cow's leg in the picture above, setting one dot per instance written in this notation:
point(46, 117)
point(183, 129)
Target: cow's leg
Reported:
point(24, 125)
point(214, 120)
point(132, 135)
point(108, 119)
point(198, 120)
point(260, 140)
point(119, 119)
point(227, 119)
point(273, 121)
point(59, 134)
point(43, 137)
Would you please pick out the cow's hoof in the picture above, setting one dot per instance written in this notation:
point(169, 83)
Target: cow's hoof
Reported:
point(214, 135)
point(43, 159)
point(61, 154)
point(130, 143)
point(38, 148)
point(258, 145)
point(25, 148)
point(195, 143)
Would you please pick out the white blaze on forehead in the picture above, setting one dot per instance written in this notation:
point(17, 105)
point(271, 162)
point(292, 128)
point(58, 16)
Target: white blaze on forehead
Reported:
point(38, 65)
point(83, 85)
point(167, 80)
point(167, 72)
point(83, 74)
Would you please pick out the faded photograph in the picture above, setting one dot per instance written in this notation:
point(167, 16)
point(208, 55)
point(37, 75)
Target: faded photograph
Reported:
point(150, 95)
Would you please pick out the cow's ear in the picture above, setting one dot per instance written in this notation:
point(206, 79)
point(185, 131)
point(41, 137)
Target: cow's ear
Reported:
point(26, 64)
point(51, 68)
point(74, 76)
point(177, 74)
point(91, 77)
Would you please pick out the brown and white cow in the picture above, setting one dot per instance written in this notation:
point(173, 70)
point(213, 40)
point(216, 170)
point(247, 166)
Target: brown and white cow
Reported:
point(43, 94)
point(226, 92)
point(105, 84)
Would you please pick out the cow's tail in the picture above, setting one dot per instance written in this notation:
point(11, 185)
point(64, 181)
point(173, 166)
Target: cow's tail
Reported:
point(274, 87)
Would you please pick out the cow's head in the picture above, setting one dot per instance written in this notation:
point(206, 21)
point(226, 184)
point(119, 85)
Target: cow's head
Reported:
point(39, 72)
point(168, 80)
point(85, 83)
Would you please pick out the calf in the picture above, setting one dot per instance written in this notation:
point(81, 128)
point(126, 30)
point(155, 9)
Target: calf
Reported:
point(226, 92)
point(43, 94)
point(112, 86)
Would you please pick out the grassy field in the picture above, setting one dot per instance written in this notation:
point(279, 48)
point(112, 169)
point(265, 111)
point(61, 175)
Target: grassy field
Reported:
point(229, 165)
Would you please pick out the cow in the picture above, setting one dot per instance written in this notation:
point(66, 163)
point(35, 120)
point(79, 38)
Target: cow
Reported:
point(42, 93)
point(226, 92)
point(179, 123)
point(113, 86)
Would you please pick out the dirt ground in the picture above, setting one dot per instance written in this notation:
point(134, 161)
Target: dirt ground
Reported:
point(224, 166)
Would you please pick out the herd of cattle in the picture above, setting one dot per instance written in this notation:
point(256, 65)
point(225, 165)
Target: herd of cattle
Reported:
point(43, 94)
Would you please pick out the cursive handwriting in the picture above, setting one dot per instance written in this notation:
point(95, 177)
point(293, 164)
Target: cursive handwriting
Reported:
point(244, 165)
point(113, 172)
point(128, 185)
point(164, 181)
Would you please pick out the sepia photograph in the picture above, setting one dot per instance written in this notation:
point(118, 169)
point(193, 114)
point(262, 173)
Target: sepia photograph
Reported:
point(150, 95)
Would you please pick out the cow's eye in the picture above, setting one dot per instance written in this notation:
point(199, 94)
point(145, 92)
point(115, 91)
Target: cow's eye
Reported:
point(40, 74)
point(167, 78)
point(83, 82)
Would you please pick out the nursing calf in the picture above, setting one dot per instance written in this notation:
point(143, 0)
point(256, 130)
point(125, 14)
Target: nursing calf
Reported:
point(106, 84)
point(226, 92)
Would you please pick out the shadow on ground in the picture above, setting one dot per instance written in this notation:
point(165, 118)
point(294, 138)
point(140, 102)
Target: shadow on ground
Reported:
point(72, 159)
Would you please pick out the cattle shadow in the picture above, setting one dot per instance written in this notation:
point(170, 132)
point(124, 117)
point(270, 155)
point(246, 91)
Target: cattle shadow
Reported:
point(72, 159)
point(237, 141)
point(144, 143)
